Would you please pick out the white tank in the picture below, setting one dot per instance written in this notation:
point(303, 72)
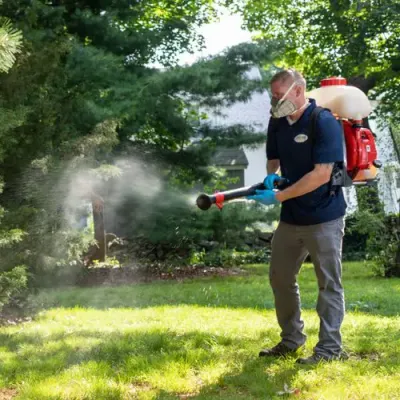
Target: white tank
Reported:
point(345, 101)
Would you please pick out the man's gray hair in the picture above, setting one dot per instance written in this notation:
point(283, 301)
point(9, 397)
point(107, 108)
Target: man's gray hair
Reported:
point(289, 74)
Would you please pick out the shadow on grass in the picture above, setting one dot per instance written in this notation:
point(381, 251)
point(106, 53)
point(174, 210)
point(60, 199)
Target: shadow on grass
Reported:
point(38, 357)
point(133, 357)
point(126, 357)
point(251, 382)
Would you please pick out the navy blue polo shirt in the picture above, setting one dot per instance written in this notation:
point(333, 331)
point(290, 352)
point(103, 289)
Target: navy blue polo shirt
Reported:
point(298, 154)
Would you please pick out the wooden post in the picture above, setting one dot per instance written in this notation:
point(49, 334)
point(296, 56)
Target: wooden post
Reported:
point(99, 230)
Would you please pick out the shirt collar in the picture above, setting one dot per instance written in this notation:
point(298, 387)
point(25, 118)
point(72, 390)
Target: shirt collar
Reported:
point(310, 106)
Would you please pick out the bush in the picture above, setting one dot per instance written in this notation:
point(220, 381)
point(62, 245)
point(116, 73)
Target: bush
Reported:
point(229, 258)
point(374, 237)
point(360, 228)
point(173, 225)
point(49, 248)
point(11, 283)
point(385, 247)
point(372, 234)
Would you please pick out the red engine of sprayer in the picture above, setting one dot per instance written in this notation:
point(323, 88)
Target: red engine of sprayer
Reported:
point(361, 152)
point(360, 147)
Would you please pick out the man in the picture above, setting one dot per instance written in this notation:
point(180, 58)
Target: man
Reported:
point(312, 216)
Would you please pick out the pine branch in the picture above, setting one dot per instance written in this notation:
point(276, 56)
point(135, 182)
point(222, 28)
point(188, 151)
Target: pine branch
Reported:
point(10, 44)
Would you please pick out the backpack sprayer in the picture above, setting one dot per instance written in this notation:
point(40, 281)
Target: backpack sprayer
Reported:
point(349, 105)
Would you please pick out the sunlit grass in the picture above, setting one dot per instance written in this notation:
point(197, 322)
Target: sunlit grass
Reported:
point(198, 339)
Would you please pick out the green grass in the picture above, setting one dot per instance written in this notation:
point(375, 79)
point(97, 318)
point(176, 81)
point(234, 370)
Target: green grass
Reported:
point(200, 340)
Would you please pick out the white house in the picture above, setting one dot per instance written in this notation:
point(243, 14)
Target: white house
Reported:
point(256, 112)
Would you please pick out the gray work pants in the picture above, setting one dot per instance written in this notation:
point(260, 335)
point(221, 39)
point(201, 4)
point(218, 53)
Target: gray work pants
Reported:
point(290, 246)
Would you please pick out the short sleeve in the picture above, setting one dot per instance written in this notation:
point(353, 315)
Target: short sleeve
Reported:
point(272, 146)
point(328, 146)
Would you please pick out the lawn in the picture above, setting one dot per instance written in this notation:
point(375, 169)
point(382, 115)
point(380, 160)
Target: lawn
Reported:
point(198, 339)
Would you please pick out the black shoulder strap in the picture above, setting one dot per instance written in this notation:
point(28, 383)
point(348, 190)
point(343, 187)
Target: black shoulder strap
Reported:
point(273, 123)
point(312, 130)
point(339, 176)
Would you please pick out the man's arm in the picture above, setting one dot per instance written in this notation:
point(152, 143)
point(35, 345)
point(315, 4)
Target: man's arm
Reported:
point(273, 166)
point(320, 175)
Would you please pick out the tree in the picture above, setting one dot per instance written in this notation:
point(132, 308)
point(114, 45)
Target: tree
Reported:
point(82, 69)
point(15, 279)
point(91, 96)
point(358, 39)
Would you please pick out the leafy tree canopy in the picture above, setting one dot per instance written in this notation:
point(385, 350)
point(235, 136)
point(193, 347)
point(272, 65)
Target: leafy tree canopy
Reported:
point(358, 39)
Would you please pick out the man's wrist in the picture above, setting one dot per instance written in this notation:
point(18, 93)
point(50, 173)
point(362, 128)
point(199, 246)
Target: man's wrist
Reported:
point(281, 196)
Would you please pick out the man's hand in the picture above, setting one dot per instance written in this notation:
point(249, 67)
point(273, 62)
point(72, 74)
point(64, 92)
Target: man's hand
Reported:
point(266, 197)
point(270, 180)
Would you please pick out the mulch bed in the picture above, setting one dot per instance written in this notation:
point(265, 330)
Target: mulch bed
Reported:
point(129, 275)
point(7, 394)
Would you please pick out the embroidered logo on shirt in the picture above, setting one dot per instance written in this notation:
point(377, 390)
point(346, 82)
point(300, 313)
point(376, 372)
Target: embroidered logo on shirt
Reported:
point(301, 138)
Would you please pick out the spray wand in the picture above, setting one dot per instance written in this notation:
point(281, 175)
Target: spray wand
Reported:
point(205, 201)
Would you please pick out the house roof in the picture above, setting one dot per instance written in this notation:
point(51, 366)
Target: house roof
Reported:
point(230, 157)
